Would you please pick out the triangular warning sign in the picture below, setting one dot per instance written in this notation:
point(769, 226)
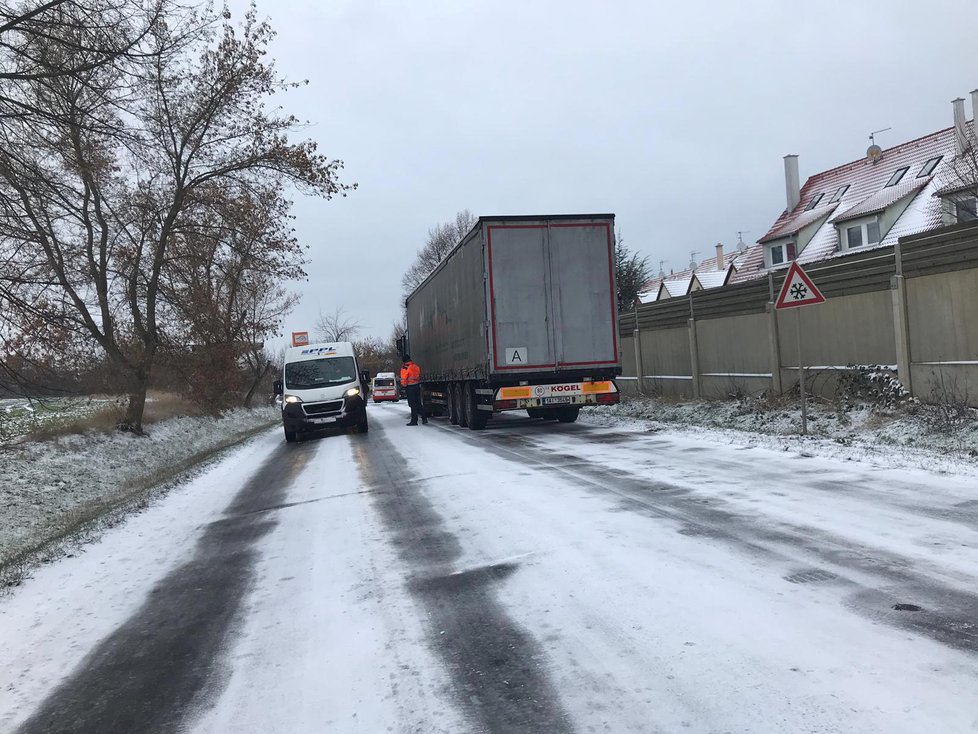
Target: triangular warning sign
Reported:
point(798, 290)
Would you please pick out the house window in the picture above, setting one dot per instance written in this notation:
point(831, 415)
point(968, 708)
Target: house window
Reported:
point(839, 193)
point(781, 253)
point(860, 234)
point(897, 175)
point(966, 209)
point(814, 202)
point(929, 166)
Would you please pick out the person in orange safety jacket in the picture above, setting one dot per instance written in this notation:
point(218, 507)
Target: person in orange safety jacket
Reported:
point(411, 379)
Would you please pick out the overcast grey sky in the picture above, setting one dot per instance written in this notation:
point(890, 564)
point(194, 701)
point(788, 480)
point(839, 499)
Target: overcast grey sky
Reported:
point(674, 116)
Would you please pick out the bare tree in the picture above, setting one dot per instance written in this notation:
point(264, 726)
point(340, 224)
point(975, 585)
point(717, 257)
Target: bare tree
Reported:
point(96, 198)
point(336, 326)
point(442, 239)
point(224, 285)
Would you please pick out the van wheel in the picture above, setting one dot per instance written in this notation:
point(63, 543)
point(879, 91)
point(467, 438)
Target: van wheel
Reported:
point(362, 427)
point(291, 436)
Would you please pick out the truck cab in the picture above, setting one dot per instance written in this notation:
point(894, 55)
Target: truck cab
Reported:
point(322, 387)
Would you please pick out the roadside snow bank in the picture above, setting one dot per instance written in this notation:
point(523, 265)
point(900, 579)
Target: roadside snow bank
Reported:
point(49, 488)
point(890, 439)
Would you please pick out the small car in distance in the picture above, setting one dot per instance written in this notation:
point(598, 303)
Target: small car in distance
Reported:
point(385, 387)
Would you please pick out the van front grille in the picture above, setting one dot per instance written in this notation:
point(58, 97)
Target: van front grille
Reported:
point(333, 406)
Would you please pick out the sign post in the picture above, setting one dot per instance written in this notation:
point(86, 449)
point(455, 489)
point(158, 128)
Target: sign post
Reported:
point(799, 290)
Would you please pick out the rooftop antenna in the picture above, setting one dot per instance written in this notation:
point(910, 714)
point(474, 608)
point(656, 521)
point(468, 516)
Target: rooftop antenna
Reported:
point(662, 268)
point(874, 152)
point(692, 259)
point(741, 245)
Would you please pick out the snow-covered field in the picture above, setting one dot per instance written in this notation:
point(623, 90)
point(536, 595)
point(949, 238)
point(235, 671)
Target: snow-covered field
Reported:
point(533, 577)
point(50, 487)
point(885, 438)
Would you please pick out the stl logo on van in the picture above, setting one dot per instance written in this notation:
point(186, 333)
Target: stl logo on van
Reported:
point(319, 350)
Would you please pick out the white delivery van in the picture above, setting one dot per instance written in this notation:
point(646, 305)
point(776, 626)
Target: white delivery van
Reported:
point(322, 387)
point(385, 387)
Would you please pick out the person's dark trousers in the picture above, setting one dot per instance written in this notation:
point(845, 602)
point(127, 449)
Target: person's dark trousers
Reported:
point(414, 400)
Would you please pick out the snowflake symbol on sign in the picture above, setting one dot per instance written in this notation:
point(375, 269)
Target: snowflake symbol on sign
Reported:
point(798, 291)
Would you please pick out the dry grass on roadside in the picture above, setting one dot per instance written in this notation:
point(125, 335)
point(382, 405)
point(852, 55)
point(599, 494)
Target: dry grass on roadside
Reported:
point(106, 415)
point(160, 406)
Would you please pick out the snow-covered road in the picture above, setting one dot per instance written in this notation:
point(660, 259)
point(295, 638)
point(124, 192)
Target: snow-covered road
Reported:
point(534, 577)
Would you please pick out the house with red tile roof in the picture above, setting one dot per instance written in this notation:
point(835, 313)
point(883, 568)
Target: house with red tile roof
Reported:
point(913, 187)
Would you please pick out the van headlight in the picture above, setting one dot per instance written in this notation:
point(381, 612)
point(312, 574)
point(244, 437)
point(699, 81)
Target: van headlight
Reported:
point(292, 399)
point(352, 392)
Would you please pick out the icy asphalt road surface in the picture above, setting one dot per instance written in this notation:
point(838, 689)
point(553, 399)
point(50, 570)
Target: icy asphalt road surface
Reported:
point(533, 577)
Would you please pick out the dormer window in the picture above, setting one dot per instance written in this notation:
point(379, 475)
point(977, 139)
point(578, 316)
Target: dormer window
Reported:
point(897, 175)
point(928, 168)
point(814, 202)
point(780, 253)
point(966, 209)
point(854, 235)
point(839, 193)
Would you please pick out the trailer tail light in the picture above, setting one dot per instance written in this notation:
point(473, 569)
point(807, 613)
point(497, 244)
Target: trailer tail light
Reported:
point(504, 405)
point(608, 398)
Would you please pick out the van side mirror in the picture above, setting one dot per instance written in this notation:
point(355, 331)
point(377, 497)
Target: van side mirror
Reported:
point(277, 387)
point(365, 377)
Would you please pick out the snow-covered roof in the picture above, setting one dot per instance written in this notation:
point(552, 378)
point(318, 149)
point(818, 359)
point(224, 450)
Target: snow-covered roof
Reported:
point(879, 201)
point(731, 261)
point(861, 189)
point(794, 225)
point(713, 278)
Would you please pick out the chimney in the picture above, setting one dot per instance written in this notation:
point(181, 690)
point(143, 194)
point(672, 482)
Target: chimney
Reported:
point(960, 129)
point(719, 256)
point(792, 186)
point(974, 113)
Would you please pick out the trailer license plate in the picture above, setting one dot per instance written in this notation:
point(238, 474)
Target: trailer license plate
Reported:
point(562, 400)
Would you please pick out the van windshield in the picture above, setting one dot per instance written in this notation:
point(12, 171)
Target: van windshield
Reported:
point(313, 373)
point(383, 382)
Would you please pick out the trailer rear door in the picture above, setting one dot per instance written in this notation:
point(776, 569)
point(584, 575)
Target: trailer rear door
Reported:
point(519, 290)
point(582, 277)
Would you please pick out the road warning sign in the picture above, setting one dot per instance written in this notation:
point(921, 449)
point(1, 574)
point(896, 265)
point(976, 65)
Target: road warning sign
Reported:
point(798, 290)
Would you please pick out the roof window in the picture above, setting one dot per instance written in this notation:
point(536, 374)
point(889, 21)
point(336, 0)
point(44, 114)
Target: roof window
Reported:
point(814, 202)
point(839, 192)
point(897, 175)
point(929, 166)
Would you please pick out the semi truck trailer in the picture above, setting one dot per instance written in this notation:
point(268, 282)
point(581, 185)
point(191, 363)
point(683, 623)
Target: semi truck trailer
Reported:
point(521, 315)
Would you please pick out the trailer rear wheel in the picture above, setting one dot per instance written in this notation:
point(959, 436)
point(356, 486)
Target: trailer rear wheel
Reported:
point(534, 412)
point(451, 402)
point(460, 395)
point(568, 415)
point(475, 419)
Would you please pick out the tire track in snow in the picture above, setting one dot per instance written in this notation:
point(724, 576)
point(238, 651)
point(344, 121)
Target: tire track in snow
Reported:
point(152, 672)
point(501, 681)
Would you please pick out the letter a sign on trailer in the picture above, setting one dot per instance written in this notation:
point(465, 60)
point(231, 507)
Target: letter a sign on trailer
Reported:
point(798, 290)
